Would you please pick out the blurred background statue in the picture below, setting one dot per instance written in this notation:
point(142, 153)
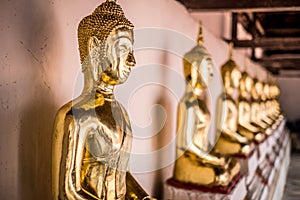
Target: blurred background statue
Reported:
point(245, 127)
point(195, 164)
point(230, 141)
point(256, 112)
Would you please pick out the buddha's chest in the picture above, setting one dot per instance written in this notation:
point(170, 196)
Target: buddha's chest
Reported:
point(103, 131)
point(200, 113)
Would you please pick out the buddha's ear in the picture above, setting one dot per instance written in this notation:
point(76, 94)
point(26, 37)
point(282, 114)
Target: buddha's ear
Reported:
point(92, 43)
point(194, 73)
point(227, 79)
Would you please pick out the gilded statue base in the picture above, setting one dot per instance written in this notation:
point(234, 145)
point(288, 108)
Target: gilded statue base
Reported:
point(264, 171)
point(215, 189)
point(204, 174)
point(233, 148)
point(248, 165)
point(134, 190)
point(255, 188)
point(176, 191)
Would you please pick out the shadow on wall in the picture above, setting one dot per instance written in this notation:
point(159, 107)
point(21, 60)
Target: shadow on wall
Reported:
point(161, 139)
point(164, 136)
point(37, 116)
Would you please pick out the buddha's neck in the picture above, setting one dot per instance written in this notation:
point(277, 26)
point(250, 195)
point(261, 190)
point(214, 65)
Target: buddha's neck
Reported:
point(244, 94)
point(91, 87)
point(106, 90)
point(229, 92)
point(195, 91)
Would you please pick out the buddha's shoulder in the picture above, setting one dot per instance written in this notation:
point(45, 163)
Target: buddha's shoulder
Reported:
point(63, 116)
point(60, 119)
point(64, 110)
point(67, 108)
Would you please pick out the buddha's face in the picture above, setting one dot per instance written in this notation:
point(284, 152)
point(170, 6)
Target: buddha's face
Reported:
point(266, 90)
point(258, 88)
point(248, 84)
point(206, 70)
point(120, 57)
point(235, 77)
point(202, 73)
point(276, 91)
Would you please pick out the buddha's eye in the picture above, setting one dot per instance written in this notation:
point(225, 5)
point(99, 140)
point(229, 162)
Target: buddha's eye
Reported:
point(122, 50)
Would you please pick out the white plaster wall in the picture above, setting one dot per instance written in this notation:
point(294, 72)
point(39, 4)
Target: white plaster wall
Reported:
point(40, 71)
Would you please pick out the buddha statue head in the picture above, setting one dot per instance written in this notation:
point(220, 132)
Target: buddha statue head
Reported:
point(105, 43)
point(276, 92)
point(267, 90)
point(256, 89)
point(230, 73)
point(246, 82)
point(198, 66)
point(263, 94)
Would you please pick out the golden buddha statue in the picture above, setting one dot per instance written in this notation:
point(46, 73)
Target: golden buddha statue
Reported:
point(230, 141)
point(274, 93)
point(245, 126)
point(263, 105)
point(256, 112)
point(194, 164)
point(268, 103)
point(92, 133)
point(272, 105)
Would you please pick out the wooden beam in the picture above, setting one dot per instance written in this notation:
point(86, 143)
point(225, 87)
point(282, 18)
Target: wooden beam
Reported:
point(280, 63)
point(273, 53)
point(248, 24)
point(284, 31)
point(269, 43)
point(234, 22)
point(289, 73)
point(241, 5)
point(274, 71)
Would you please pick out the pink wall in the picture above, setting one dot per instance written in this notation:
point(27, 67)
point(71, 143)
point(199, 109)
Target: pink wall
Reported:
point(290, 97)
point(41, 71)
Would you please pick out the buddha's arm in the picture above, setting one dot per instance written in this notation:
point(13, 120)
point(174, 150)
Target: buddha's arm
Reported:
point(222, 126)
point(71, 181)
point(234, 135)
point(255, 118)
point(264, 116)
point(62, 153)
point(186, 130)
point(59, 151)
point(259, 115)
point(206, 156)
point(254, 112)
point(242, 122)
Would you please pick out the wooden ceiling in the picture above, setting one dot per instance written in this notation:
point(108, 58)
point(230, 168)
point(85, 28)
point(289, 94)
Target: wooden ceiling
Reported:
point(273, 24)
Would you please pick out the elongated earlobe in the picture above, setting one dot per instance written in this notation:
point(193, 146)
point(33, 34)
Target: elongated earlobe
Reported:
point(92, 49)
point(194, 74)
point(92, 43)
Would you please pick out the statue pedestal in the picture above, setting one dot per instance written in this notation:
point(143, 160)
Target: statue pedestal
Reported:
point(248, 165)
point(272, 141)
point(269, 180)
point(276, 186)
point(263, 150)
point(177, 191)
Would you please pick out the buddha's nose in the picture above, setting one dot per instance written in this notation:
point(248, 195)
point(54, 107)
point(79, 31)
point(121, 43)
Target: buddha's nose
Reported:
point(130, 61)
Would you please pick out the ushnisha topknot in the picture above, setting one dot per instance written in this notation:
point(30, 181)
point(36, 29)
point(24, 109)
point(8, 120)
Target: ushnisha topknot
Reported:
point(230, 64)
point(197, 53)
point(106, 18)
